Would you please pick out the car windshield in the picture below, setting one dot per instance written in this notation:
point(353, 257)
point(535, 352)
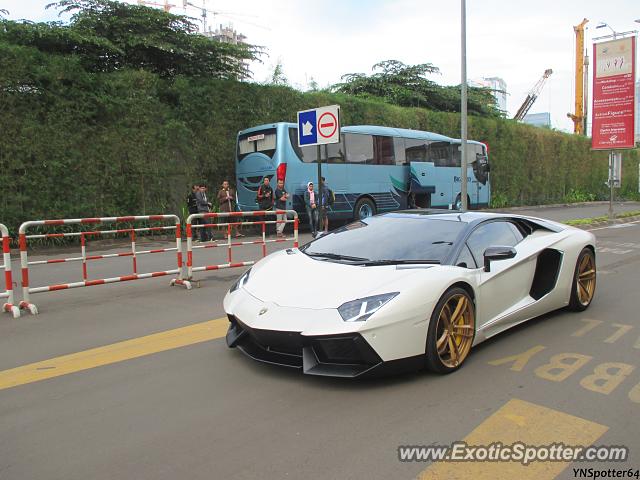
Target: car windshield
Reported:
point(388, 238)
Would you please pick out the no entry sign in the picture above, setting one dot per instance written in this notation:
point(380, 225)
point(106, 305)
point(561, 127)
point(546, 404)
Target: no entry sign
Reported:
point(319, 126)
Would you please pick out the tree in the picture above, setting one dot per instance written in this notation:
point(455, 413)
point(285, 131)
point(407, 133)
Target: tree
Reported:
point(278, 76)
point(111, 36)
point(408, 85)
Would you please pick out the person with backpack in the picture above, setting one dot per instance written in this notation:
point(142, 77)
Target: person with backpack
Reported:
point(327, 199)
point(264, 198)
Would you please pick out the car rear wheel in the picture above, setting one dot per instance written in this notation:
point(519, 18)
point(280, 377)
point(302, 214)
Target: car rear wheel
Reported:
point(584, 281)
point(364, 209)
point(451, 331)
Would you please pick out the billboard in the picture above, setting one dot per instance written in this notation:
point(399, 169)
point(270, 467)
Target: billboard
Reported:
point(614, 75)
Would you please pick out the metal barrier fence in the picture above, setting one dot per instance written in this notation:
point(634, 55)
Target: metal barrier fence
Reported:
point(84, 258)
point(9, 306)
point(187, 282)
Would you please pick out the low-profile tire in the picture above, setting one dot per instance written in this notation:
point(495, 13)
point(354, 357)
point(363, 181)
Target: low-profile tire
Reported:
point(364, 208)
point(583, 286)
point(452, 328)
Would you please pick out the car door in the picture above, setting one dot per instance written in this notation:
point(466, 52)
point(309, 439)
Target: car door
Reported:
point(504, 290)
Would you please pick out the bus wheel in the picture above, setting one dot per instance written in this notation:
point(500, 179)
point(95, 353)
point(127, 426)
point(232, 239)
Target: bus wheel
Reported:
point(364, 208)
point(458, 204)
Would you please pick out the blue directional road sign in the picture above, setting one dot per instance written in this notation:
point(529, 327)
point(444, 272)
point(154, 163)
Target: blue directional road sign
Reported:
point(319, 126)
point(307, 129)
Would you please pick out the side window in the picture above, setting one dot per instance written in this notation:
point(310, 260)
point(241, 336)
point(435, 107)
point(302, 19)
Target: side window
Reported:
point(456, 155)
point(384, 152)
point(440, 154)
point(399, 146)
point(306, 154)
point(359, 148)
point(334, 152)
point(465, 259)
point(491, 234)
point(415, 150)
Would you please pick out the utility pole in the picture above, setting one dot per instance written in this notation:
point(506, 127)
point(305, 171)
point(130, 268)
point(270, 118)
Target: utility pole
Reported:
point(463, 110)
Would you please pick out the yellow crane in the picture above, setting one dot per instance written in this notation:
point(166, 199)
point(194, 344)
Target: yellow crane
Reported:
point(166, 5)
point(582, 62)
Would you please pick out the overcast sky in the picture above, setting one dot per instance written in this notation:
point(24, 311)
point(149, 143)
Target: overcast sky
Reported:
point(512, 39)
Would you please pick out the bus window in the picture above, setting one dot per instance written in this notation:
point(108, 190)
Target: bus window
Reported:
point(334, 152)
point(383, 148)
point(415, 150)
point(440, 154)
point(359, 148)
point(399, 146)
point(263, 141)
point(306, 154)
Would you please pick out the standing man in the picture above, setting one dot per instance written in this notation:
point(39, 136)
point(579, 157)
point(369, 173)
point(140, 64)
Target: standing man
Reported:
point(227, 203)
point(192, 205)
point(265, 199)
point(203, 206)
point(281, 196)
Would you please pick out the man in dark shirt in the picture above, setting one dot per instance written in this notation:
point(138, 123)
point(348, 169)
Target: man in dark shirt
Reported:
point(265, 200)
point(281, 197)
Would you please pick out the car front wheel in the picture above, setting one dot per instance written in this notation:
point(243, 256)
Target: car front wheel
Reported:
point(584, 281)
point(451, 331)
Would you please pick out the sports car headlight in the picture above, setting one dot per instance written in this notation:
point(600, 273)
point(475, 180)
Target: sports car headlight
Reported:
point(241, 282)
point(361, 309)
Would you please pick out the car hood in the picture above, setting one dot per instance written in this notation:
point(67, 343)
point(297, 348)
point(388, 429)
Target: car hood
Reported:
point(297, 280)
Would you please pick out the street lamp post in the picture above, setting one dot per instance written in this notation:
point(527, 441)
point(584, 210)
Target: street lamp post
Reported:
point(463, 111)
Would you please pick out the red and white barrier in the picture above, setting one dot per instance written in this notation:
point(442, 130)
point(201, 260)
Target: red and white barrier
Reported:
point(9, 306)
point(84, 258)
point(190, 228)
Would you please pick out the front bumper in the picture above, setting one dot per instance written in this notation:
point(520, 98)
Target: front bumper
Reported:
point(343, 355)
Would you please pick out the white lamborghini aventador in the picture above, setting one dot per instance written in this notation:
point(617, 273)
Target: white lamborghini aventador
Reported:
point(407, 290)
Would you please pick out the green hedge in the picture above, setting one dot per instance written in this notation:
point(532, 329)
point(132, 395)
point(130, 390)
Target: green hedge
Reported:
point(77, 144)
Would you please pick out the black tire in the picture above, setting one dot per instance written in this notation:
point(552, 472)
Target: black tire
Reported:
point(576, 302)
point(364, 205)
point(434, 362)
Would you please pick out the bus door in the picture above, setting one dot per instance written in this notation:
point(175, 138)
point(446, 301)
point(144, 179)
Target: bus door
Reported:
point(422, 183)
point(421, 175)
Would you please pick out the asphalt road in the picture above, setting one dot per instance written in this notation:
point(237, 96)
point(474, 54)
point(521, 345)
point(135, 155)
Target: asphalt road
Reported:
point(204, 411)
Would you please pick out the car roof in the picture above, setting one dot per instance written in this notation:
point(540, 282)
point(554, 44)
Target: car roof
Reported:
point(472, 217)
point(439, 214)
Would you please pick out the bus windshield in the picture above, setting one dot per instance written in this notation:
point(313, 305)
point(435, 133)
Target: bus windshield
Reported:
point(263, 141)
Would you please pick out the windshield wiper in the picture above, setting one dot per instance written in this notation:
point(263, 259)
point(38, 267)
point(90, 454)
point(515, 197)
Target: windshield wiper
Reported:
point(335, 256)
point(373, 263)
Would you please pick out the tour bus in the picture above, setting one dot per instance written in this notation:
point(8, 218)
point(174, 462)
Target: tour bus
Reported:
point(373, 169)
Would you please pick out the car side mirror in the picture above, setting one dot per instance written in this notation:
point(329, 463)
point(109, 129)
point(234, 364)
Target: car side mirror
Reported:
point(492, 254)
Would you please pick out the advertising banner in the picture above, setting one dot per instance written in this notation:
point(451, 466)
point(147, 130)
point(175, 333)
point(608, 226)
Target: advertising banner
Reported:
point(613, 109)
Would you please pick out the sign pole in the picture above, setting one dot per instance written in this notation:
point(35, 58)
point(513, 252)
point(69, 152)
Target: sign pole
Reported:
point(319, 186)
point(463, 111)
point(611, 181)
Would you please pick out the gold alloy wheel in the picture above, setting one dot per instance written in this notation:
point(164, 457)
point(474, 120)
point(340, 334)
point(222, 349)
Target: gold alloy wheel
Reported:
point(454, 330)
point(586, 281)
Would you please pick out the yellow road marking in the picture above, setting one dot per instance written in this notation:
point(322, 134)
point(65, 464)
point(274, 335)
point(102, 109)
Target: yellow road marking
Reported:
point(116, 352)
point(519, 421)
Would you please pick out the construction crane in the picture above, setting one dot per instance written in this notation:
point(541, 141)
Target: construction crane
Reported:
point(532, 95)
point(204, 11)
point(582, 72)
point(166, 5)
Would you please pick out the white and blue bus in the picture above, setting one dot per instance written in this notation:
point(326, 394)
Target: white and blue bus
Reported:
point(373, 169)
